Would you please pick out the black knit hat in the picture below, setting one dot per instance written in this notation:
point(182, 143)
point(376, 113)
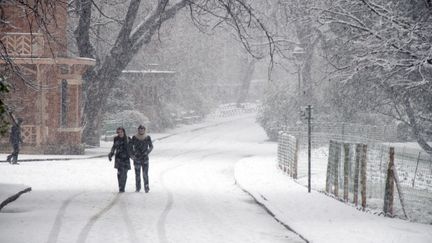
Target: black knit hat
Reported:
point(141, 127)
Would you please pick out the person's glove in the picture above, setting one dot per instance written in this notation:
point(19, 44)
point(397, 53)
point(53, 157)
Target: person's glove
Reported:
point(110, 155)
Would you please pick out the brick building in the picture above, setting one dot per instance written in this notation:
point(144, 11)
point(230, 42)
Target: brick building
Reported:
point(47, 88)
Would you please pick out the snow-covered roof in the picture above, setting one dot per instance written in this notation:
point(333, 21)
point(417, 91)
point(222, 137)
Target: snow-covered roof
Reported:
point(149, 71)
point(48, 60)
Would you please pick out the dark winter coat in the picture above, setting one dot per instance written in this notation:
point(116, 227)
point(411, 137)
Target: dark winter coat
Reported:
point(15, 135)
point(121, 151)
point(141, 147)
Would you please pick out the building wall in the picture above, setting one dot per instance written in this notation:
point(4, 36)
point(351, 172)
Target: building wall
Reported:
point(42, 60)
point(25, 26)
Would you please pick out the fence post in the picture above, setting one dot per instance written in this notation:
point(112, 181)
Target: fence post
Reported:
point(415, 173)
point(330, 166)
point(346, 170)
point(389, 188)
point(401, 195)
point(356, 172)
point(336, 169)
point(284, 150)
point(296, 158)
point(363, 167)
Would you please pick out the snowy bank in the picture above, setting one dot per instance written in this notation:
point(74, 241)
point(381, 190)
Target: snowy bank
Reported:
point(315, 216)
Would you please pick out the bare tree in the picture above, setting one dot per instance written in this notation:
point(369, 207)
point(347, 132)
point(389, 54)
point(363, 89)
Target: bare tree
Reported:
point(385, 47)
point(135, 34)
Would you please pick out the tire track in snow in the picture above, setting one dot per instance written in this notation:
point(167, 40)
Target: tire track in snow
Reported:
point(170, 201)
point(163, 217)
point(86, 230)
point(129, 225)
point(55, 230)
point(168, 206)
point(117, 200)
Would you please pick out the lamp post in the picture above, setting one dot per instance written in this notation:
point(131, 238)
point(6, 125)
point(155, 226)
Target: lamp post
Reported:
point(309, 117)
point(299, 54)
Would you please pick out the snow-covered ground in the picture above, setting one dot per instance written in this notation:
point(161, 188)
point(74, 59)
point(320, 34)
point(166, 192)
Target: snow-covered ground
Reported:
point(316, 216)
point(197, 174)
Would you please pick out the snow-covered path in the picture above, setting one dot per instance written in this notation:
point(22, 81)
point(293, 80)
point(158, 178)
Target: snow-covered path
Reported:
point(193, 196)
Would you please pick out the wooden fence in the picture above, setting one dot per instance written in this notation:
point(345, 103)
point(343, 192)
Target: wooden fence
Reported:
point(349, 162)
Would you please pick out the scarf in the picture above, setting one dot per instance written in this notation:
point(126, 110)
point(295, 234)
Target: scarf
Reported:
point(141, 137)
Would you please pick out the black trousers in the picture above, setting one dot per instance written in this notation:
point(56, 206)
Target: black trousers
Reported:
point(122, 177)
point(144, 165)
point(13, 157)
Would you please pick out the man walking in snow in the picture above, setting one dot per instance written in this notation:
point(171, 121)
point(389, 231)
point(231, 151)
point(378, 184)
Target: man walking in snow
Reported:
point(15, 140)
point(141, 145)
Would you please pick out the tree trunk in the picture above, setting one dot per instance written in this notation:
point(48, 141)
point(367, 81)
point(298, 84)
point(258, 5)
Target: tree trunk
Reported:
point(246, 81)
point(415, 127)
point(98, 88)
point(100, 81)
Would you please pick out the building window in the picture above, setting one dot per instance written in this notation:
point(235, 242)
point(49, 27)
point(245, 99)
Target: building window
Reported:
point(64, 103)
point(151, 93)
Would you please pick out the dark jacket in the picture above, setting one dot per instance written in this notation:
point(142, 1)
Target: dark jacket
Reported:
point(141, 148)
point(121, 150)
point(15, 135)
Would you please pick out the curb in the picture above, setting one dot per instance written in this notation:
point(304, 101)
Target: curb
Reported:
point(262, 205)
point(54, 159)
point(104, 155)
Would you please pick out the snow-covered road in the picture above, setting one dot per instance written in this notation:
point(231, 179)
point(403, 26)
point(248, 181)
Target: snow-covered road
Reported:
point(193, 196)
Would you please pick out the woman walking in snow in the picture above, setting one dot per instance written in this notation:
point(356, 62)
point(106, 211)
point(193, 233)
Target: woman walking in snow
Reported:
point(121, 150)
point(141, 146)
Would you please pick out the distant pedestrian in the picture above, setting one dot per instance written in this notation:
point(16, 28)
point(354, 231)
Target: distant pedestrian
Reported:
point(15, 140)
point(141, 146)
point(121, 151)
